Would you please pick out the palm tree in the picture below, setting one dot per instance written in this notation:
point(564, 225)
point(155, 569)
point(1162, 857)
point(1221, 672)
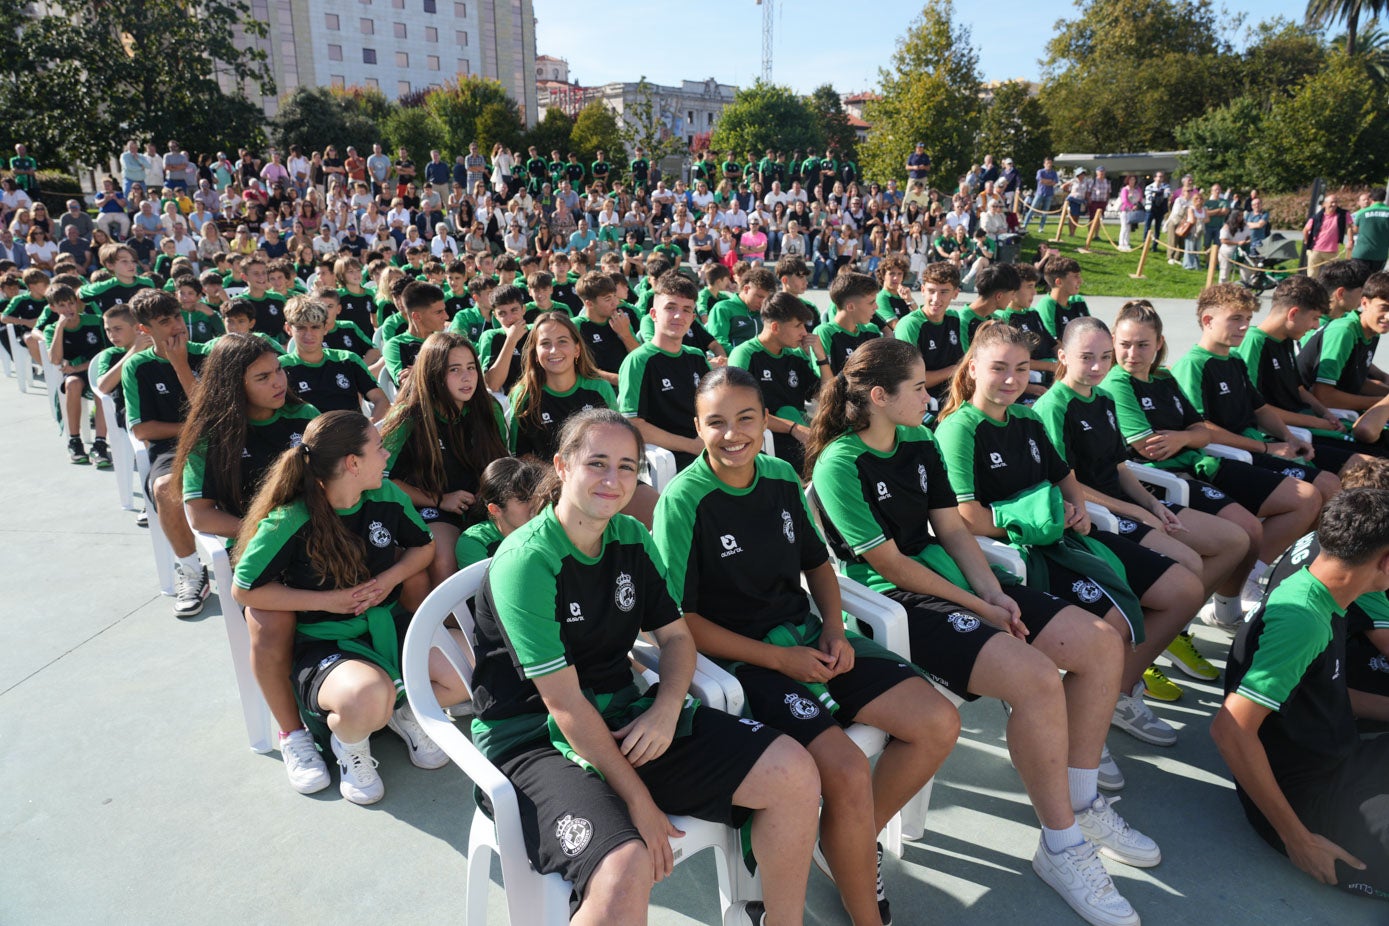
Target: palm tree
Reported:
point(1326, 12)
point(1372, 46)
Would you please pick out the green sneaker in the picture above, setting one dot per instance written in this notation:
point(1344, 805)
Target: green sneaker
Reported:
point(76, 453)
point(1183, 655)
point(1159, 687)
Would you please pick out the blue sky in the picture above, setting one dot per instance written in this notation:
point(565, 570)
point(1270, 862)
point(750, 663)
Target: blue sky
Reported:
point(814, 40)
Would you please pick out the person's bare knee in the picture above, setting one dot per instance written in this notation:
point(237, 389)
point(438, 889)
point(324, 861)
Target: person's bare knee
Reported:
point(619, 890)
point(843, 767)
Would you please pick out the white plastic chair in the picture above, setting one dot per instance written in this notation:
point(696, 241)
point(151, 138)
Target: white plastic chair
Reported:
point(24, 364)
point(1227, 452)
point(163, 552)
point(387, 384)
point(53, 381)
point(7, 363)
point(1175, 489)
point(1102, 517)
point(768, 443)
point(1301, 434)
point(119, 440)
point(260, 726)
point(532, 899)
point(659, 467)
point(503, 401)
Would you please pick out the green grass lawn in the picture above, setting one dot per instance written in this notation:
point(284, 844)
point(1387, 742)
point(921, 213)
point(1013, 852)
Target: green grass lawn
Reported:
point(1106, 270)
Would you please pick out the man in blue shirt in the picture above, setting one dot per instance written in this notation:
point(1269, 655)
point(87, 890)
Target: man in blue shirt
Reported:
point(1041, 199)
point(918, 163)
point(436, 171)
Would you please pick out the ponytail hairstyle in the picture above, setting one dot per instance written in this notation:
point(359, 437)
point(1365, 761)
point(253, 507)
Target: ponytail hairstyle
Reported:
point(300, 474)
point(990, 334)
point(509, 479)
point(571, 441)
point(844, 405)
point(1141, 312)
point(424, 402)
point(1087, 325)
point(218, 419)
point(532, 383)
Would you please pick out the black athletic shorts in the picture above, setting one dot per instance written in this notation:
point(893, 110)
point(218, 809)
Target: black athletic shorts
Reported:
point(1203, 497)
point(161, 464)
point(787, 705)
point(1350, 808)
point(572, 819)
point(1247, 484)
point(1367, 669)
point(1135, 531)
point(1143, 567)
point(947, 638)
point(315, 660)
point(1306, 472)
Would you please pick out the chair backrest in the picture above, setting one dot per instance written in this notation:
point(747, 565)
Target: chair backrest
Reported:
point(839, 550)
point(450, 598)
point(387, 384)
point(658, 467)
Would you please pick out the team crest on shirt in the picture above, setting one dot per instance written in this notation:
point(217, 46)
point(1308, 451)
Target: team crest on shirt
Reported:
point(921, 475)
point(1087, 591)
point(792, 379)
point(1036, 451)
point(1380, 664)
point(347, 341)
point(1212, 493)
point(964, 623)
point(573, 834)
point(802, 708)
point(626, 596)
point(343, 382)
point(379, 536)
point(91, 337)
point(1295, 472)
point(1126, 525)
point(296, 439)
point(429, 514)
point(788, 527)
point(954, 339)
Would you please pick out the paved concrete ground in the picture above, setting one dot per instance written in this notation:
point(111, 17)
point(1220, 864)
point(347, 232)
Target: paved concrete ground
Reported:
point(130, 795)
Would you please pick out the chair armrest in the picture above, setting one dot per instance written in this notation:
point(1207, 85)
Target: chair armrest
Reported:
point(711, 684)
point(1102, 517)
point(1004, 556)
point(1229, 453)
point(1175, 488)
point(885, 617)
point(1301, 434)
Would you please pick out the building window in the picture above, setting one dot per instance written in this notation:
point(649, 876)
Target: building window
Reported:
point(464, 67)
point(431, 34)
point(368, 26)
point(432, 62)
point(373, 84)
point(539, 72)
point(334, 52)
point(708, 118)
point(331, 21)
point(460, 10)
point(690, 115)
point(431, 6)
point(402, 88)
point(368, 56)
point(398, 4)
point(462, 38)
point(338, 81)
point(402, 59)
point(400, 30)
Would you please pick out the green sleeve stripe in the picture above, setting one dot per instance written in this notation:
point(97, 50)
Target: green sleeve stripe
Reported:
point(863, 548)
point(1259, 699)
point(544, 668)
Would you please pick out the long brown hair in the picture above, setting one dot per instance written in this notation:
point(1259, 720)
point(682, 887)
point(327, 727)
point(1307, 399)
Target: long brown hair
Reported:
point(990, 334)
point(844, 399)
point(528, 390)
point(217, 415)
point(571, 441)
point(1141, 312)
point(425, 407)
point(299, 475)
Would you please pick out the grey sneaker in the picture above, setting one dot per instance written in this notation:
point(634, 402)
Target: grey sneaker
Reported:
point(1111, 778)
point(1136, 719)
point(1208, 616)
point(1114, 837)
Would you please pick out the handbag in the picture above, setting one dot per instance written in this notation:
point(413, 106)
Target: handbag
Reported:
point(1184, 229)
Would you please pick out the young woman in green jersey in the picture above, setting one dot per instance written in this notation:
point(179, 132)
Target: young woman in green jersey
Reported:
point(241, 417)
point(892, 518)
point(508, 492)
point(601, 764)
point(1162, 427)
point(1084, 426)
point(332, 543)
point(1013, 483)
point(737, 538)
point(442, 432)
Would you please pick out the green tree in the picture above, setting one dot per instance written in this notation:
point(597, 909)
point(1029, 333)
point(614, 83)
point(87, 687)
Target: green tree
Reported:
point(1331, 127)
point(1326, 12)
point(832, 121)
point(595, 129)
point(459, 105)
point(498, 123)
point(552, 132)
point(1014, 124)
point(930, 94)
point(1279, 55)
point(1221, 141)
point(315, 116)
point(414, 129)
point(45, 97)
point(1124, 74)
point(766, 116)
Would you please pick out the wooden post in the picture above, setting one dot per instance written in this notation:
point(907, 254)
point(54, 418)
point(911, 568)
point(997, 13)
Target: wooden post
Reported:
point(1210, 267)
point(1061, 222)
point(1143, 257)
point(1094, 229)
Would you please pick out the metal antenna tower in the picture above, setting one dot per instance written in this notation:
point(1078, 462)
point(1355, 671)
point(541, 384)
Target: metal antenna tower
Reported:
point(766, 38)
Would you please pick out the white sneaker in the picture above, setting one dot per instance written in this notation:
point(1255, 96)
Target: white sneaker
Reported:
point(1115, 838)
point(1079, 877)
point(424, 752)
point(1211, 618)
point(1111, 779)
point(1136, 719)
point(306, 769)
point(360, 784)
point(190, 588)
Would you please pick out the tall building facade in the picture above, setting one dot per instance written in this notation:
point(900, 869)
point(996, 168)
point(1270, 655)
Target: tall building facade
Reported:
point(400, 46)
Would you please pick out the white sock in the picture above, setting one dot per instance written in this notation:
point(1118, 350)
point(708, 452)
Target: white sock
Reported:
point(1085, 787)
point(363, 746)
point(1228, 609)
point(190, 563)
point(1058, 841)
